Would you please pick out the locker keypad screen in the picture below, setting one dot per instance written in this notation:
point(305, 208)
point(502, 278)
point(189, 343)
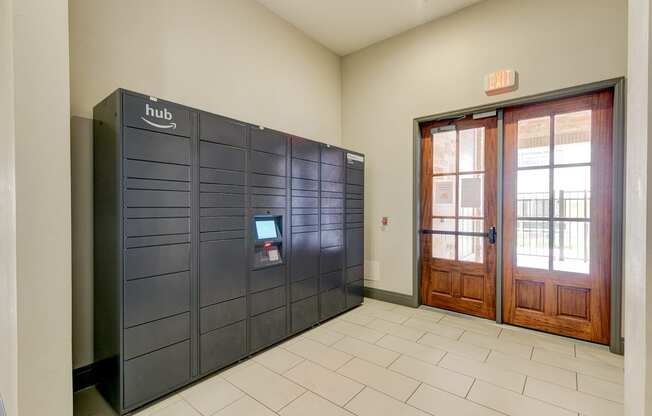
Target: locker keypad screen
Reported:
point(266, 229)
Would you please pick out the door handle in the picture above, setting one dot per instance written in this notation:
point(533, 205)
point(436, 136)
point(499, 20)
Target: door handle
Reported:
point(491, 235)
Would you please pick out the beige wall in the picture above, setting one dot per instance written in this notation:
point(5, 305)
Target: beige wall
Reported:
point(638, 203)
point(8, 318)
point(231, 57)
point(42, 206)
point(439, 67)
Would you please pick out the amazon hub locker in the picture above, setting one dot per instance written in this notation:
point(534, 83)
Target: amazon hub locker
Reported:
point(214, 239)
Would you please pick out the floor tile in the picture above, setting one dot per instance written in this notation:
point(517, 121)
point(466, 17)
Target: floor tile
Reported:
point(439, 402)
point(497, 344)
point(396, 316)
point(264, 385)
point(378, 304)
point(373, 403)
point(599, 354)
point(538, 340)
point(455, 347)
point(592, 368)
point(534, 369)
point(398, 330)
point(370, 352)
point(481, 326)
point(388, 382)
point(601, 388)
point(483, 371)
point(245, 406)
point(236, 368)
point(322, 335)
point(179, 408)
point(312, 405)
point(434, 327)
point(330, 385)
point(511, 403)
point(211, 395)
point(320, 354)
point(439, 377)
point(357, 316)
point(413, 349)
point(356, 331)
point(571, 399)
point(427, 314)
point(278, 359)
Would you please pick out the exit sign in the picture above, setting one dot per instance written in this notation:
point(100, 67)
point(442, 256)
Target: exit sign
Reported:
point(500, 82)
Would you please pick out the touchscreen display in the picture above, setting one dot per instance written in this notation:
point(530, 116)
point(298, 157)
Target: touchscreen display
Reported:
point(266, 229)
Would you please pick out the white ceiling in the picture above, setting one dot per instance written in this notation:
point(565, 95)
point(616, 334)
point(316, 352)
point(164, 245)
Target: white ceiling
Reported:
point(345, 26)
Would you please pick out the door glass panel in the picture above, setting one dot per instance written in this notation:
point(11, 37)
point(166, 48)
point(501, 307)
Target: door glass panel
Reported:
point(472, 150)
point(573, 137)
point(573, 192)
point(471, 195)
point(533, 195)
point(471, 226)
point(470, 248)
point(443, 200)
point(444, 152)
point(443, 246)
point(534, 142)
point(532, 244)
point(443, 224)
point(571, 250)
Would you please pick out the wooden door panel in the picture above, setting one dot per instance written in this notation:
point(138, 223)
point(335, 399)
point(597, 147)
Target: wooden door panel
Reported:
point(567, 301)
point(459, 285)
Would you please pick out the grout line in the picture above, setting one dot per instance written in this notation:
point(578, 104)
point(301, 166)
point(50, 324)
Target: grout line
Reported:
point(395, 360)
point(470, 387)
point(293, 400)
point(577, 381)
point(412, 394)
point(303, 360)
point(250, 396)
point(354, 396)
point(442, 359)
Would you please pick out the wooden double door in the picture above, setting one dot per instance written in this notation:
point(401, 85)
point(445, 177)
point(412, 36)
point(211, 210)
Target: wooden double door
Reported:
point(556, 202)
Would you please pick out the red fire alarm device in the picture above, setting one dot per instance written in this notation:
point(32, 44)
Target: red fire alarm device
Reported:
point(384, 221)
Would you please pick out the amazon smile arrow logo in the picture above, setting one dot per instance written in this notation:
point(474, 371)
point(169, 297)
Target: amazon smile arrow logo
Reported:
point(160, 126)
point(161, 114)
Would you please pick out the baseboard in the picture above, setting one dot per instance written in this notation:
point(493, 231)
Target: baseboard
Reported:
point(83, 377)
point(391, 297)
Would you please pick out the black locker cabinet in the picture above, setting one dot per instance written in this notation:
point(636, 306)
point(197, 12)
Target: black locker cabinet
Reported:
point(177, 292)
point(332, 299)
point(144, 268)
point(354, 226)
point(223, 154)
point(304, 267)
point(268, 286)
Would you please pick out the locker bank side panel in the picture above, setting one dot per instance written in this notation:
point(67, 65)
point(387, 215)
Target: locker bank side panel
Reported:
point(107, 248)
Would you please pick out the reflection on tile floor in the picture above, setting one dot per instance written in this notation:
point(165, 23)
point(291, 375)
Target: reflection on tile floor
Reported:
point(385, 359)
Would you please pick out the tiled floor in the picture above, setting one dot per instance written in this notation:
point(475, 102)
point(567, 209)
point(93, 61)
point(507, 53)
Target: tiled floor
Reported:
point(385, 360)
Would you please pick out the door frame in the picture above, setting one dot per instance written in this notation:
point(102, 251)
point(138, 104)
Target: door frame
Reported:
point(618, 158)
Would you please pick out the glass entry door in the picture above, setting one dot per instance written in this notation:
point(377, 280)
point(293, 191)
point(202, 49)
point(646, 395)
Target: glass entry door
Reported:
point(458, 215)
point(557, 216)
